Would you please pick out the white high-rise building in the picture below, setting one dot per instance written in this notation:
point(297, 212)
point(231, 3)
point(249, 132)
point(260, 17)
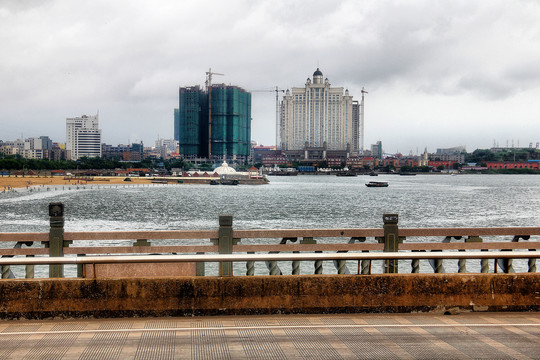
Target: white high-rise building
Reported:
point(83, 138)
point(317, 114)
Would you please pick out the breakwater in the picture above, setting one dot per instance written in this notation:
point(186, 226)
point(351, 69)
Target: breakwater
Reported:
point(187, 296)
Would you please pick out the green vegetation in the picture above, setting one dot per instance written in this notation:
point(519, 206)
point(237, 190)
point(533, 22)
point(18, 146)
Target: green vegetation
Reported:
point(415, 169)
point(485, 155)
point(19, 163)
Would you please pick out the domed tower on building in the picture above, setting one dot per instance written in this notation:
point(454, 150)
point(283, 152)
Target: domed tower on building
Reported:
point(317, 77)
point(424, 160)
point(317, 113)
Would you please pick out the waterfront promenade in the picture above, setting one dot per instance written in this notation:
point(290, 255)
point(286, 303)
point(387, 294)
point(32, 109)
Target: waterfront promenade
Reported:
point(345, 336)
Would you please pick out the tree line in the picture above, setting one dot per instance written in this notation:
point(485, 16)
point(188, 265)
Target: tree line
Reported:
point(17, 162)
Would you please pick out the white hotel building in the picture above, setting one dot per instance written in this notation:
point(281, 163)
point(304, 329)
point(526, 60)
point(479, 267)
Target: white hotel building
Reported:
point(317, 114)
point(83, 138)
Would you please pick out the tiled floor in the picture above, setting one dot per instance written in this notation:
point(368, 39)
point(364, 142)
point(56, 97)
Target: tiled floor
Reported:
point(344, 336)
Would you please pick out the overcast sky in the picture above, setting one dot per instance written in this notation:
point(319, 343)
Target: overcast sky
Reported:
point(439, 73)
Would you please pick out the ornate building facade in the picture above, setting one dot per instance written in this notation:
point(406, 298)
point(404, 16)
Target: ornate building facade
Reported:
point(317, 115)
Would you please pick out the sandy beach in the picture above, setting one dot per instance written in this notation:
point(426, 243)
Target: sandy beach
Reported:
point(21, 182)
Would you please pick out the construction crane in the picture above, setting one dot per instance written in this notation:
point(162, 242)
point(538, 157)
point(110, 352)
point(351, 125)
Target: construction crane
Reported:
point(362, 120)
point(277, 90)
point(209, 74)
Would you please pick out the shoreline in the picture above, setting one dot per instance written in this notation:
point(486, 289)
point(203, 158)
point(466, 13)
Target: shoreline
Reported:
point(10, 182)
point(7, 183)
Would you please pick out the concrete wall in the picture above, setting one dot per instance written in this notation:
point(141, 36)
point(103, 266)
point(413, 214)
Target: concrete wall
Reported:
point(178, 296)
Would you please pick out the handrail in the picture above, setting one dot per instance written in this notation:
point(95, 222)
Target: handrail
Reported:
point(469, 231)
point(272, 233)
point(278, 247)
point(268, 257)
point(459, 243)
point(149, 235)
point(30, 236)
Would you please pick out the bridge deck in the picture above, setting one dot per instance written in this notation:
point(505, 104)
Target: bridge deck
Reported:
point(347, 336)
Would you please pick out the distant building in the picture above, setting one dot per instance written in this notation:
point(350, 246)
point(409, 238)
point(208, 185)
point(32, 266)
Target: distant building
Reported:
point(217, 129)
point(37, 148)
point(83, 136)
point(258, 152)
point(12, 147)
point(377, 150)
point(114, 152)
point(356, 127)
point(453, 150)
point(164, 147)
point(497, 165)
point(424, 160)
point(317, 114)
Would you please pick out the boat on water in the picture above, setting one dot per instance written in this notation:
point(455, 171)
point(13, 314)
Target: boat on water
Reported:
point(377, 184)
point(348, 173)
point(224, 182)
point(229, 182)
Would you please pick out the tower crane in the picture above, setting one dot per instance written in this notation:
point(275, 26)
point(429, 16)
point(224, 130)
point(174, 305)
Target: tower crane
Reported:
point(277, 90)
point(209, 74)
point(362, 120)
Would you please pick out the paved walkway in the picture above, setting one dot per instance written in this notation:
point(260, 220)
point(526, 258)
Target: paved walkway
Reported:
point(344, 336)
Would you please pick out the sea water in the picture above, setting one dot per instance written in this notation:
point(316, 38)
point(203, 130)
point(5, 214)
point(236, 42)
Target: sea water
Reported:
point(285, 203)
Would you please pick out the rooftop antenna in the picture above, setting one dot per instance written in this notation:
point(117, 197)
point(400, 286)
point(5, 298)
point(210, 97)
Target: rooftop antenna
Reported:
point(209, 74)
point(277, 90)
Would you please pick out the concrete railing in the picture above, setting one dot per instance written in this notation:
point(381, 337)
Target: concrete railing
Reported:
point(295, 245)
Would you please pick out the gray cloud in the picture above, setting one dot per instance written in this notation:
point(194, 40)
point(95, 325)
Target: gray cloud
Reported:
point(128, 58)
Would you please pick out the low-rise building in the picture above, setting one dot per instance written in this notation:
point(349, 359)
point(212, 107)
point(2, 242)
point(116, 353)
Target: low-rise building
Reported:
point(497, 165)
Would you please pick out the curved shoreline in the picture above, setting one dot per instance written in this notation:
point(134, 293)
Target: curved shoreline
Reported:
point(11, 182)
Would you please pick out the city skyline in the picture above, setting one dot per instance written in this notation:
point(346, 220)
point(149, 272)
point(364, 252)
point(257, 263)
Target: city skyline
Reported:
point(438, 74)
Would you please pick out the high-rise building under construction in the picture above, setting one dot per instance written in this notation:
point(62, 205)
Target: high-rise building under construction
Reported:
point(215, 123)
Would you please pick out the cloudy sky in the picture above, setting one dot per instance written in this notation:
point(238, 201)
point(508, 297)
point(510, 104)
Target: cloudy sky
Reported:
point(439, 73)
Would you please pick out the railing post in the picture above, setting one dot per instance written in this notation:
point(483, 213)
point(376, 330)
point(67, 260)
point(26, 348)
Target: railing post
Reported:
point(391, 241)
point(296, 263)
point(225, 243)
point(506, 264)
point(29, 269)
point(200, 266)
point(6, 271)
point(56, 238)
point(250, 266)
point(318, 263)
point(81, 270)
point(272, 266)
point(484, 263)
point(415, 264)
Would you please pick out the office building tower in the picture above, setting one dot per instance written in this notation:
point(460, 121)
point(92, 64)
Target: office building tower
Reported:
point(357, 143)
point(83, 137)
point(317, 114)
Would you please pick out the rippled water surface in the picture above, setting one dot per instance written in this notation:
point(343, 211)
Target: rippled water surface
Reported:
point(287, 202)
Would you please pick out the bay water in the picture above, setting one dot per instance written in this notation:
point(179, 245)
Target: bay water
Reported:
point(285, 203)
